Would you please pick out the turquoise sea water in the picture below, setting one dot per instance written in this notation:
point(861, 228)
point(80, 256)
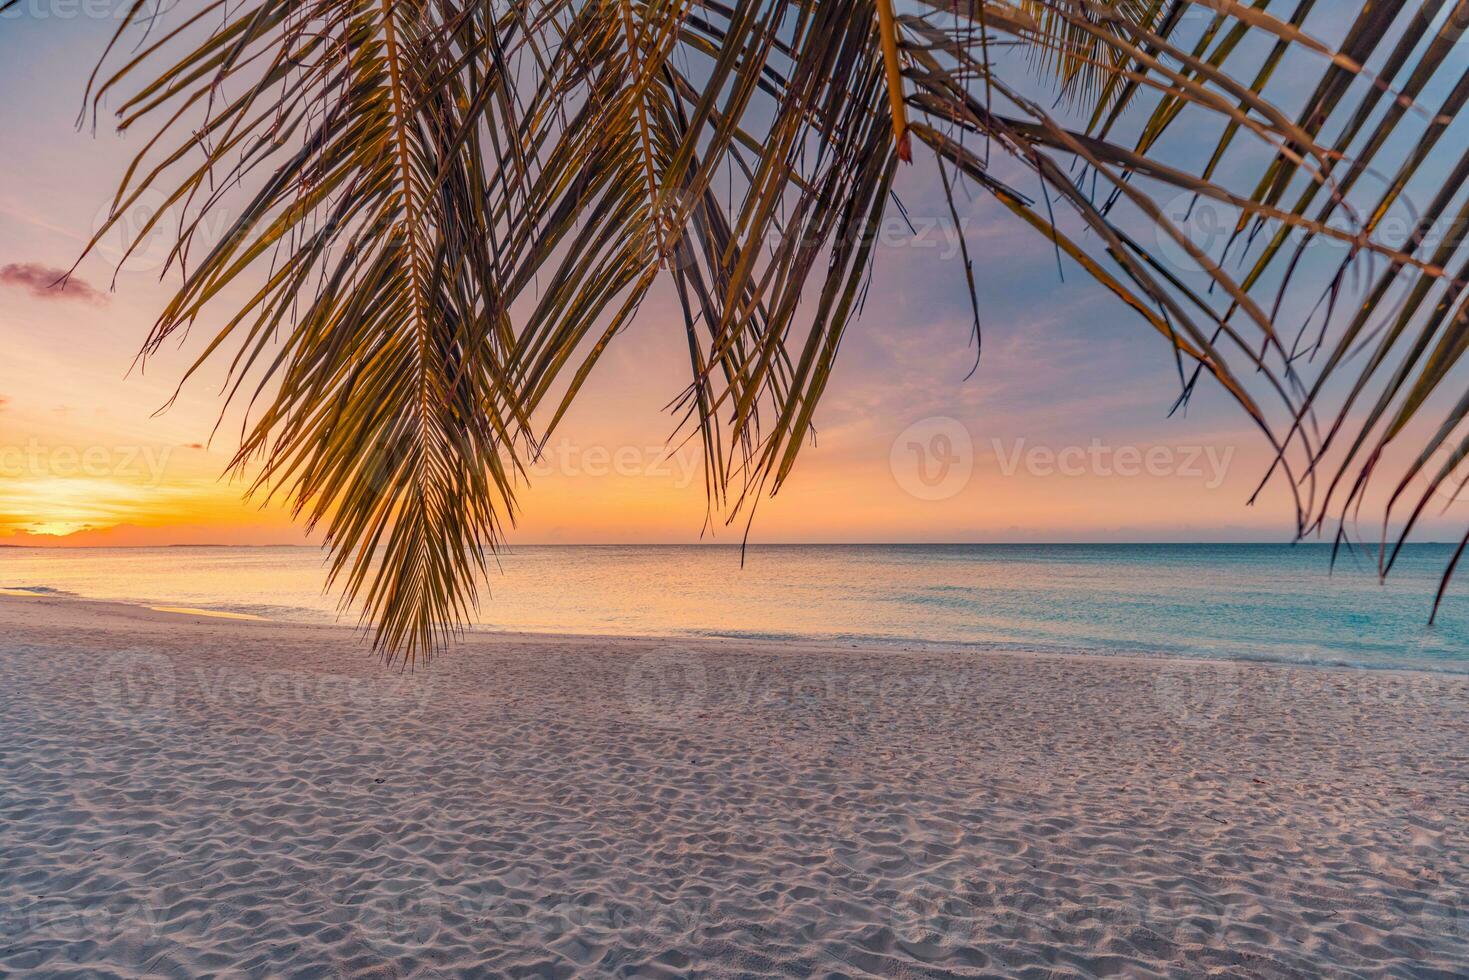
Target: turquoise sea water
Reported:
point(1247, 601)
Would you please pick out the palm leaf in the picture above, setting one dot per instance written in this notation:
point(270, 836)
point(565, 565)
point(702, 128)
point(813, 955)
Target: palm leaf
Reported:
point(380, 334)
point(458, 206)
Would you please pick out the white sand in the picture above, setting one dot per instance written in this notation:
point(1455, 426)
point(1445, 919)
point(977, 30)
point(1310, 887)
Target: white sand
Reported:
point(182, 796)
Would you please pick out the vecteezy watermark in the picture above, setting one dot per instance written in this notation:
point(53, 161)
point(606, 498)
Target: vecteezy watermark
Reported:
point(1206, 693)
point(1202, 222)
point(407, 915)
point(666, 687)
point(933, 458)
point(936, 234)
point(135, 688)
point(401, 915)
point(1446, 474)
point(1210, 225)
point(35, 459)
point(147, 231)
point(674, 686)
point(113, 10)
point(927, 233)
point(102, 920)
point(389, 462)
point(139, 233)
point(404, 692)
point(1197, 694)
point(1097, 458)
point(944, 913)
point(681, 467)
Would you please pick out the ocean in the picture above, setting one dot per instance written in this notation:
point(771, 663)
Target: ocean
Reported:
point(1234, 601)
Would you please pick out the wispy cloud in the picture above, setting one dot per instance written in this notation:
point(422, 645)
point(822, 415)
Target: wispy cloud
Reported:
point(48, 282)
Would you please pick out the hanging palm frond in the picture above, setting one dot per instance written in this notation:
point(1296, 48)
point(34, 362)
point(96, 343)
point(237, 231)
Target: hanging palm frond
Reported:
point(456, 207)
point(356, 156)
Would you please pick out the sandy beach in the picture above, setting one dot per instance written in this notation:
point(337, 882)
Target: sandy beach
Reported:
point(182, 796)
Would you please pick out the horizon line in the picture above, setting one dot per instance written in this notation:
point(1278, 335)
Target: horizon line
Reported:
point(722, 544)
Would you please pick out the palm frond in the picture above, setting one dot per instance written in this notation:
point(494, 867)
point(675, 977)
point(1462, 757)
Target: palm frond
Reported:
point(379, 339)
point(1407, 330)
point(457, 206)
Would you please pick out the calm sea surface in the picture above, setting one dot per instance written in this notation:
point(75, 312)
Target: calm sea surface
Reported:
point(1271, 602)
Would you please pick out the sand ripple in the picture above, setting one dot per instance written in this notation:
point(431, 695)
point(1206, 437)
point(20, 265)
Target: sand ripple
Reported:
point(181, 797)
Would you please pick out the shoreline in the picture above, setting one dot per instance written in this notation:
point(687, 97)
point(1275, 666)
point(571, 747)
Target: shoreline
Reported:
point(804, 645)
point(184, 794)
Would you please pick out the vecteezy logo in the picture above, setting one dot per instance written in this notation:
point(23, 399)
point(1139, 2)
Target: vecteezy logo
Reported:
point(143, 229)
point(663, 239)
point(135, 687)
point(666, 686)
point(1203, 222)
point(1199, 694)
point(401, 915)
point(1446, 473)
point(933, 458)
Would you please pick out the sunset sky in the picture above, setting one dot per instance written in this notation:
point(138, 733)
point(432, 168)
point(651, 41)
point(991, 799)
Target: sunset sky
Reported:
point(84, 459)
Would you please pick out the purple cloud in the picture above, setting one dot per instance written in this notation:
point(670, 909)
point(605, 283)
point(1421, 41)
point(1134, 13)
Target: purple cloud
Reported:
point(46, 282)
